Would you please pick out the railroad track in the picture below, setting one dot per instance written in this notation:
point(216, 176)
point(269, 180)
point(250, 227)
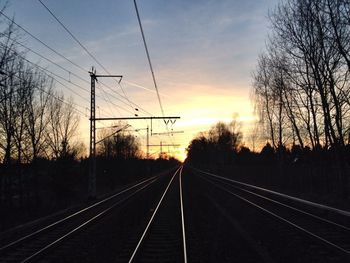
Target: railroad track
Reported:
point(213, 233)
point(221, 220)
point(322, 230)
point(38, 244)
point(163, 237)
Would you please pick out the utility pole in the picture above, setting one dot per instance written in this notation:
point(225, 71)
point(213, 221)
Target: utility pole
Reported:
point(93, 119)
point(172, 119)
point(92, 156)
point(147, 140)
point(168, 118)
point(167, 133)
point(147, 143)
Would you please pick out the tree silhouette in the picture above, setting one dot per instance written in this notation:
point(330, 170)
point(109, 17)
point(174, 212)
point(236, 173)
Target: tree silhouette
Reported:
point(218, 145)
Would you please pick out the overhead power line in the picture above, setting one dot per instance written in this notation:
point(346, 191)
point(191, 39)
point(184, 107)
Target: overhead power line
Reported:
point(47, 59)
point(57, 53)
point(150, 65)
point(71, 34)
point(148, 57)
point(91, 55)
point(74, 105)
point(138, 107)
point(87, 51)
point(67, 80)
point(53, 75)
point(46, 71)
point(80, 44)
point(70, 61)
point(41, 42)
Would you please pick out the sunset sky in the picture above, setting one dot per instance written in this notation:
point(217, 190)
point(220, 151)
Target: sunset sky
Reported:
point(203, 53)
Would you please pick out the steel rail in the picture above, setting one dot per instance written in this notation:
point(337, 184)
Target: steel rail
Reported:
point(291, 207)
point(94, 218)
point(314, 204)
point(302, 229)
point(22, 239)
point(152, 217)
point(182, 217)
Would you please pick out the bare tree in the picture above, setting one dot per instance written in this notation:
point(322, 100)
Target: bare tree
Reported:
point(118, 144)
point(62, 127)
point(8, 86)
point(219, 144)
point(264, 103)
point(302, 81)
point(37, 119)
point(301, 84)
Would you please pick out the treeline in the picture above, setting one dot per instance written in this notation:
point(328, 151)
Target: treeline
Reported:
point(219, 145)
point(36, 122)
point(301, 91)
point(301, 83)
point(38, 143)
point(118, 143)
point(43, 164)
point(300, 171)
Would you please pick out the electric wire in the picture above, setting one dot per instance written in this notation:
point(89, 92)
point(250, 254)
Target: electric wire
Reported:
point(68, 71)
point(43, 70)
point(63, 68)
point(111, 95)
point(40, 41)
point(89, 53)
point(138, 107)
point(108, 105)
point(80, 44)
point(148, 57)
point(51, 75)
point(69, 81)
point(47, 59)
point(56, 52)
point(74, 105)
point(151, 67)
point(107, 99)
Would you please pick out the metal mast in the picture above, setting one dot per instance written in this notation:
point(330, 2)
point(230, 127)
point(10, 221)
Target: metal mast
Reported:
point(92, 158)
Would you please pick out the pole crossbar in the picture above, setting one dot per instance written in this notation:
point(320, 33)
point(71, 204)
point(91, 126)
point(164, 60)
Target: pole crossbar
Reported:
point(92, 156)
point(169, 132)
point(134, 118)
point(157, 145)
point(106, 76)
point(93, 119)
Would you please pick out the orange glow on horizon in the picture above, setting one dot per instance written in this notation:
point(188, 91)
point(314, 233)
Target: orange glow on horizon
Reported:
point(198, 112)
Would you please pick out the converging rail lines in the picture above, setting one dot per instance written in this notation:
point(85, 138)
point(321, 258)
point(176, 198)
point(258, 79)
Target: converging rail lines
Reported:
point(329, 227)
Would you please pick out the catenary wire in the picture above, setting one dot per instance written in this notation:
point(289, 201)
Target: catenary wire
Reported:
point(60, 55)
point(69, 81)
point(81, 45)
point(52, 95)
point(107, 99)
point(77, 76)
point(148, 57)
point(73, 63)
point(40, 41)
point(151, 67)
